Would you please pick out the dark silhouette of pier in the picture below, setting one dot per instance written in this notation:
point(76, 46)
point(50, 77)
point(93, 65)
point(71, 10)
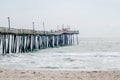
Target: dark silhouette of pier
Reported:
point(24, 40)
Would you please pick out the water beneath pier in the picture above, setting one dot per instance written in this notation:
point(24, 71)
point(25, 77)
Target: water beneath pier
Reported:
point(90, 54)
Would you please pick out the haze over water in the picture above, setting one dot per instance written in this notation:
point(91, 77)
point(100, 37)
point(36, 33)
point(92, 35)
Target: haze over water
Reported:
point(90, 54)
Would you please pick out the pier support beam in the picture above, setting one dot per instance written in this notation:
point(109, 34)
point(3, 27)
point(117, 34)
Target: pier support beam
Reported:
point(57, 40)
point(4, 45)
point(77, 39)
point(63, 40)
point(8, 46)
point(53, 44)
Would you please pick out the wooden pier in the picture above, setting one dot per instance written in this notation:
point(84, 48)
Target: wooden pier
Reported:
point(24, 40)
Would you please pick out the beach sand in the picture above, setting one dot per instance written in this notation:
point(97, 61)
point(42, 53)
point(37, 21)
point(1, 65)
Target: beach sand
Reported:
point(13, 74)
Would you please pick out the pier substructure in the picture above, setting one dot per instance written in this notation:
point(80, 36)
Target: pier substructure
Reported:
point(22, 40)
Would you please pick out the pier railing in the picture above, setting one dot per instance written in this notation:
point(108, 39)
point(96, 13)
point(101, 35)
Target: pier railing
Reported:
point(4, 30)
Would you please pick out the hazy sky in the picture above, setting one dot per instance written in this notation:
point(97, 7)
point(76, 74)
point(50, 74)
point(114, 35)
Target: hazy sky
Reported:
point(93, 18)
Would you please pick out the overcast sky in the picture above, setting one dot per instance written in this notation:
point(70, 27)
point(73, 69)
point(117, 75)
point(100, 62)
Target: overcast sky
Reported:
point(93, 18)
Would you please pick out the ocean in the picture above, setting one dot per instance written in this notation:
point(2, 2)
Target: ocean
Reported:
point(90, 54)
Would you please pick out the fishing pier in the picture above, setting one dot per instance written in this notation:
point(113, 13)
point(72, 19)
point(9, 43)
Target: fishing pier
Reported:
point(24, 40)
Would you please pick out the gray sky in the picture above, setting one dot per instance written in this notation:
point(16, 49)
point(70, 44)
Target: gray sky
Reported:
point(93, 18)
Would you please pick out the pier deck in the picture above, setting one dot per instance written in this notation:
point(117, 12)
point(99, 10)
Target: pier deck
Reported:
point(4, 30)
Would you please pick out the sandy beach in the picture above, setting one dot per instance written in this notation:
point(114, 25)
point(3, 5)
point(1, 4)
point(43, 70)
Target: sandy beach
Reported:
point(13, 74)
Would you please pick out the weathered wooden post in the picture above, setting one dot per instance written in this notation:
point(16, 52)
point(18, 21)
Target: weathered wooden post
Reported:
point(57, 42)
point(53, 42)
point(4, 44)
point(8, 46)
point(44, 27)
point(38, 40)
point(25, 45)
point(12, 43)
point(17, 44)
point(73, 39)
point(29, 42)
point(47, 41)
point(77, 39)
point(63, 40)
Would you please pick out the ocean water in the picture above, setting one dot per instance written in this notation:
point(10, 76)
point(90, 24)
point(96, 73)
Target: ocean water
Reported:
point(90, 54)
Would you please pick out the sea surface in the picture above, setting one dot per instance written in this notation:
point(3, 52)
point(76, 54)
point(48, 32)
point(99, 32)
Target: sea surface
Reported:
point(90, 54)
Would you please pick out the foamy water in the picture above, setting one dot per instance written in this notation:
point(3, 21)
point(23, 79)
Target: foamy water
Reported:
point(90, 54)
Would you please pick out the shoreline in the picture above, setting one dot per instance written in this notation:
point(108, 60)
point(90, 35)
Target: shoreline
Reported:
point(15, 74)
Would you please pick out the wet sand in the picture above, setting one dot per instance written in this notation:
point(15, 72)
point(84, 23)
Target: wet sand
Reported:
point(13, 74)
